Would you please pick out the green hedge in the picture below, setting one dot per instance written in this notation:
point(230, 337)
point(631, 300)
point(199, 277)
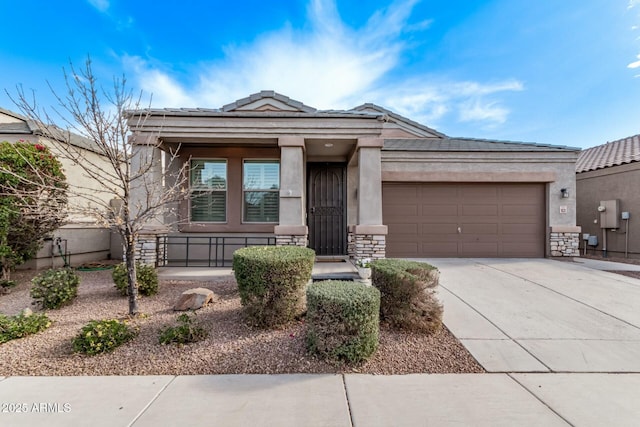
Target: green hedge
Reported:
point(342, 320)
point(272, 282)
point(146, 278)
point(408, 297)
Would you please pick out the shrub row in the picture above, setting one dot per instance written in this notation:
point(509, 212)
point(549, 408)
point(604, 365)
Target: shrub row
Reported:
point(342, 320)
point(21, 325)
point(408, 297)
point(272, 281)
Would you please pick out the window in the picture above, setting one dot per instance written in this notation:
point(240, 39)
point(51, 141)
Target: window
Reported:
point(208, 180)
point(261, 188)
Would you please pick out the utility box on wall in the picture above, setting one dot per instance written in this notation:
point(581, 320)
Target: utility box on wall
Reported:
point(609, 213)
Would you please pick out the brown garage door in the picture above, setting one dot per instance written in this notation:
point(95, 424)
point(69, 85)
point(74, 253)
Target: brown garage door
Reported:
point(464, 220)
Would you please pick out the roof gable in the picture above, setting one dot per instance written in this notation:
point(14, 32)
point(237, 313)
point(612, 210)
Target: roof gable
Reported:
point(268, 100)
point(401, 123)
point(614, 153)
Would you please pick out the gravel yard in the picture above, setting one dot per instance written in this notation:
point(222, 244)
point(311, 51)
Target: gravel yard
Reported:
point(231, 348)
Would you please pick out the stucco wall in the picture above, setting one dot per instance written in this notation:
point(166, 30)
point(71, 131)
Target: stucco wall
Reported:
point(617, 182)
point(83, 244)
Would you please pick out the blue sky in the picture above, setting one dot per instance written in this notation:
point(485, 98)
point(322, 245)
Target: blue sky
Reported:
point(563, 72)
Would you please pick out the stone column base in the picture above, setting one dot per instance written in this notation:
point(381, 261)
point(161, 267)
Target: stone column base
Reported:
point(291, 240)
point(565, 241)
point(371, 246)
point(147, 250)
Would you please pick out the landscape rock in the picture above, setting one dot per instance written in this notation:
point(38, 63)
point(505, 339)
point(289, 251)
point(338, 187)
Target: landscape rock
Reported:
point(194, 299)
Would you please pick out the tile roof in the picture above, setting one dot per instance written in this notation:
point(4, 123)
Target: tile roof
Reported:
point(467, 144)
point(614, 153)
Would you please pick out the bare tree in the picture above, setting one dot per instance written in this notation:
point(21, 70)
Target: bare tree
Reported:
point(101, 116)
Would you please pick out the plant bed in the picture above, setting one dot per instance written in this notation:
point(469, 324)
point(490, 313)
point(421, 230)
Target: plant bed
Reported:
point(231, 347)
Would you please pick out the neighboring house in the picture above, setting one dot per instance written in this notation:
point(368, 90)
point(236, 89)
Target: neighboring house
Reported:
point(363, 183)
point(80, 239)
point(610, 173)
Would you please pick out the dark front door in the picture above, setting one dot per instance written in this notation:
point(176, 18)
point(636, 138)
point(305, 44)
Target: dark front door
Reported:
point(326, 202)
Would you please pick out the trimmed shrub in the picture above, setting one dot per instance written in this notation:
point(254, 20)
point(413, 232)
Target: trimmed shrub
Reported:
point(146, 279)
point(408, 297)
point(342, 320)
point(21, 325)
point(101, 336)
point(272, 281)
point(54, 288)
point(188, 331)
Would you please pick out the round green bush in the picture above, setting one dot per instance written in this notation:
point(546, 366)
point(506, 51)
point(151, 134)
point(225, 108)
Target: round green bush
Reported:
point(408, 294)
point(272, 282)
point(100, 336)
point(54, 288)
point(343, 321)
point(146, 278)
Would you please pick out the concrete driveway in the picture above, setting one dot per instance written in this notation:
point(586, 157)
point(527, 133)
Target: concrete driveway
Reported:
point(540, 315)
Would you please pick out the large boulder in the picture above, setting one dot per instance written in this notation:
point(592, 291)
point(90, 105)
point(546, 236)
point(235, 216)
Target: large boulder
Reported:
point(193, 299)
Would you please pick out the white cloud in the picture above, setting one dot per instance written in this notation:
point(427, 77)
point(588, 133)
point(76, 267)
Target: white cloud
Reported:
point(101, 5)
point(330, 66)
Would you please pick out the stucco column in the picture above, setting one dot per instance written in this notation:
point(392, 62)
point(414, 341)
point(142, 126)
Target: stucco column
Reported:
point(369, 233)
point(292, 229)
point(145, 192)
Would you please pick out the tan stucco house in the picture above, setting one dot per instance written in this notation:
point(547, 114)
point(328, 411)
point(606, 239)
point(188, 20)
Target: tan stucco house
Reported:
point(607, 177)
point(80, 239)
point(359, 183)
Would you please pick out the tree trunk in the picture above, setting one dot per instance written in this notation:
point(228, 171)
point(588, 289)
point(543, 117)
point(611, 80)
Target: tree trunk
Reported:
point(132, 285)
point(6, 270)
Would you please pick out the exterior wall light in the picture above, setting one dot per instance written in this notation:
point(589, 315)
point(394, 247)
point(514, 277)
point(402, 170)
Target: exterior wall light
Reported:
point(564, 193)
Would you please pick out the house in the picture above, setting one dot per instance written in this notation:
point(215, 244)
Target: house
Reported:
point(80, 239)
point(607, 179)
point(359, 183)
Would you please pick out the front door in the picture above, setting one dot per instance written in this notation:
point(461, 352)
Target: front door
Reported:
point(326, 208)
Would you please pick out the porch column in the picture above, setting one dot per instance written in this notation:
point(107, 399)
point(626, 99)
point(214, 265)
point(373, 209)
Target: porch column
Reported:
point(145, 193)
point(369, 234)
point(291, 229)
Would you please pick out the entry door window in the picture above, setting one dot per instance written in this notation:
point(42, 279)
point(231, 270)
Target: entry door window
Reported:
point(261, 191)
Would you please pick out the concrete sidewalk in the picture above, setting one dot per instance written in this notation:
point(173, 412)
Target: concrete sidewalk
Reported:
point(323, 400)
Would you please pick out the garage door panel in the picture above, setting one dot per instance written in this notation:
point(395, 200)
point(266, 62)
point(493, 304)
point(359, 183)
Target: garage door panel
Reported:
point(436, 210)
point(411, 229)
point(496, 220)
point(520, 210)
point(483, 209)
point(482, 228)
point(445, 249)
point(439, 228)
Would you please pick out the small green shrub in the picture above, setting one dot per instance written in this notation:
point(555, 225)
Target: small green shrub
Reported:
point(272, 281)
point(342, 320)
point(21, 325)
point(54, 288)
point(6, 283)
point(188, 331)
point(101, 336)
point(408, 297)
point(146, 279)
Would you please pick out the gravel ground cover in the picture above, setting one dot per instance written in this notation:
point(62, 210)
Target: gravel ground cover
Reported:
point(232, 347)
